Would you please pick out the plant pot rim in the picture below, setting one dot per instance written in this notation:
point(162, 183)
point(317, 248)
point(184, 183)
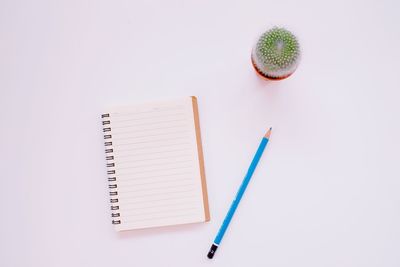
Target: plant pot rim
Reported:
point(266, 77)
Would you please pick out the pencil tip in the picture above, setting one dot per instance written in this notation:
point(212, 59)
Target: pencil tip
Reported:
point(268, 134)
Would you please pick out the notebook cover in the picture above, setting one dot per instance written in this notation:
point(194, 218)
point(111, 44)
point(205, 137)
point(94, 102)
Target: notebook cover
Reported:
point(201, 159)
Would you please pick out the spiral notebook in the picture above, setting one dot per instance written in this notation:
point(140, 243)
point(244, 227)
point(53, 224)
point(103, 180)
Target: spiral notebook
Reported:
point(155, 164)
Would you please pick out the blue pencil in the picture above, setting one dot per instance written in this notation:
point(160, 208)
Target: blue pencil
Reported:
point(239, 194)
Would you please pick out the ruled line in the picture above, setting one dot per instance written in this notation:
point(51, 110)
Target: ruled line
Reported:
point(155, 194)
point(127, 202)
point(156, 152)
point(130, 216)
point(152, 110)
point(154, 145)
point(152, 150)
point(147, 147)
point(151, 169)
point(147, 135)
point(181, 180)
point(118, 132)
point(152, 123)
point(150, 141)
point(162, 217)
point(152, 164)
point(175, 168)
point(159, 205)
point(156, 190)
point(174, 115)
point(161, 116)
point(147, 177)
point(120, 162)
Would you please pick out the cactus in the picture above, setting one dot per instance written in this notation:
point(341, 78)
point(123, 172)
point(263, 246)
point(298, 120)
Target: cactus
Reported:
point(276, 54)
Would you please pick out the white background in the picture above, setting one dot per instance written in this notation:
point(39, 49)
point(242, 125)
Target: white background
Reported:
point(327, 190)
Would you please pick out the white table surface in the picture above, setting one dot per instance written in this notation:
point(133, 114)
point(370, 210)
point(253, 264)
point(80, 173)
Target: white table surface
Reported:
point(327, 191)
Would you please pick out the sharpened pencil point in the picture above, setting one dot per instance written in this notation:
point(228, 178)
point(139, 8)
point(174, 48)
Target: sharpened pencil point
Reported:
point(268, 134)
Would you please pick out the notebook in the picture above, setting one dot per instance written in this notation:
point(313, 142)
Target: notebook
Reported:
point(155, 164)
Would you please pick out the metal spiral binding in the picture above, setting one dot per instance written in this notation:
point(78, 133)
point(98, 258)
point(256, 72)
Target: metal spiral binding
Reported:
point(112, 179)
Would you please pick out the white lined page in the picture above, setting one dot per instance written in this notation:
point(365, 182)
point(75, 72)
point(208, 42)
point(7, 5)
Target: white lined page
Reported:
point(156, 165)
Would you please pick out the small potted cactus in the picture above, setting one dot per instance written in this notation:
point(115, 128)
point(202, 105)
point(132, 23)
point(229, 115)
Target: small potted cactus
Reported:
point(276, 54)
